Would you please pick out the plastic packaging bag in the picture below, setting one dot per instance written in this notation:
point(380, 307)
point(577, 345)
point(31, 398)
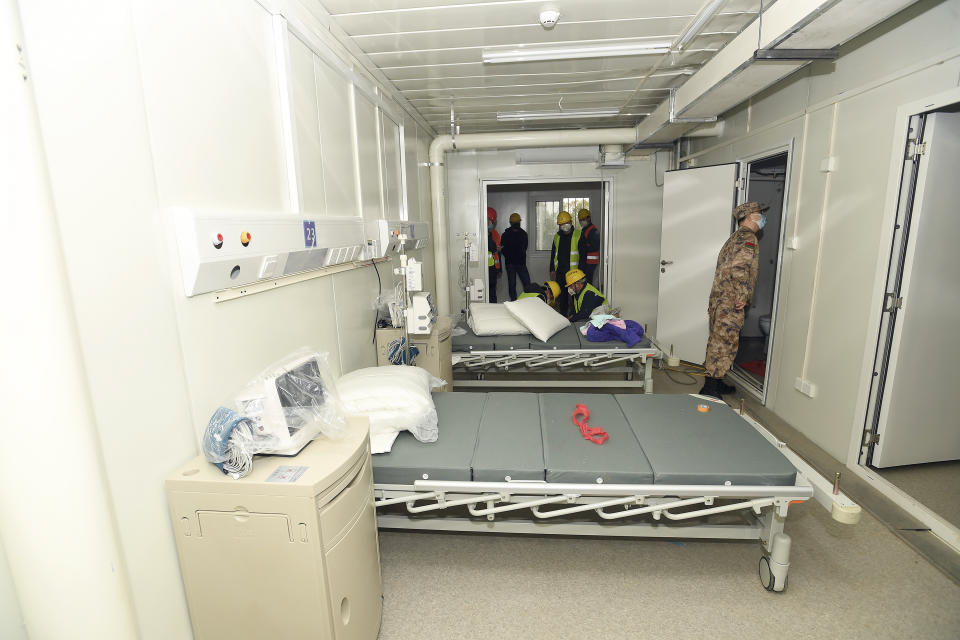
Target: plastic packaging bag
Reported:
point(393, 398)
point(280, 411)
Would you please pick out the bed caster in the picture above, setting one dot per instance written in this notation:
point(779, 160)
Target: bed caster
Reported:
point(773, 568)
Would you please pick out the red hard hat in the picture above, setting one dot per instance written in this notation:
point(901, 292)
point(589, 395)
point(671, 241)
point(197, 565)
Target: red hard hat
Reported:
point(491, 214)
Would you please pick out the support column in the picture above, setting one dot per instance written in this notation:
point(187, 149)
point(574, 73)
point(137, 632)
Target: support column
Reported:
point(56, 519)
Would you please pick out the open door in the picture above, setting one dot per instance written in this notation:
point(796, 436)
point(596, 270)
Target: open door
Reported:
point(915, 420)
point(696, 222)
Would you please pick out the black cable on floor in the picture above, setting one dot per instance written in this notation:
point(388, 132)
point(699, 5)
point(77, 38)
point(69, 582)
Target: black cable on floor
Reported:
point(376, 311)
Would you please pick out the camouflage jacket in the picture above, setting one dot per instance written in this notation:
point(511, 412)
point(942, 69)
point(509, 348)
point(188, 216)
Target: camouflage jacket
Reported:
point(737, 265)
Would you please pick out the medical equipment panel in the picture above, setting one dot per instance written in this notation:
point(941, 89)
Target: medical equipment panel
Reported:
point(219, 250)
point(289, 551)
point(384, 236)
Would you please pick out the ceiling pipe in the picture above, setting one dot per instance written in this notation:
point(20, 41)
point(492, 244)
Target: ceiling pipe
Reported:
point(499, 140)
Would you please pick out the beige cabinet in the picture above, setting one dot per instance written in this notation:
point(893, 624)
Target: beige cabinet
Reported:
point(290, 551)
point(435, 353)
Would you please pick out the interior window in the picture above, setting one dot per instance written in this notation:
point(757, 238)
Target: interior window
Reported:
point(572, 205)
point(546, 223)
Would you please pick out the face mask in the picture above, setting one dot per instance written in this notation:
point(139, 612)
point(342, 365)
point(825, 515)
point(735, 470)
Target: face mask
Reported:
point(566, 227)
point(571, 291)
point(762, 222)
point(585, 223)
point(489, 226)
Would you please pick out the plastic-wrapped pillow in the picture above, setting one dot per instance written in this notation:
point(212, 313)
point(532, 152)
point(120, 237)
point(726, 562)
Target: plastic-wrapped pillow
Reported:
point(489, 319)
point(538, 317)
point(394, 398)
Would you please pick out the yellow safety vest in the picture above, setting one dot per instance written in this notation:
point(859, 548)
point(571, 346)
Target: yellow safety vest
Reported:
point(574, 249)
point(528, 295)
point(578, 301)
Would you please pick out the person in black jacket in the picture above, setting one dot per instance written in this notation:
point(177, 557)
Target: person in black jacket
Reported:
point(513, 249)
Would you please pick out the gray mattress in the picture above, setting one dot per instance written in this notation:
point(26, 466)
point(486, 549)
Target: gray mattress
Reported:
point(658, 439)
point(568, 338)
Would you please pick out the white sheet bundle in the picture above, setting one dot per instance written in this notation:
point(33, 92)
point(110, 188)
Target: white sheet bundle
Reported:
point(394, 398)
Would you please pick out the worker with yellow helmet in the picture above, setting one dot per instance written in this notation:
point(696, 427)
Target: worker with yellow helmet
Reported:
point(584, 295)
point(564, 255)
point(513, 248)
point(548, 292)
point(589, 244)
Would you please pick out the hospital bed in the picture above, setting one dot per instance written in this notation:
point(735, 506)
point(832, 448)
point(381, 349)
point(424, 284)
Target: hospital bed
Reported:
point(567, 352)
point(674, 466)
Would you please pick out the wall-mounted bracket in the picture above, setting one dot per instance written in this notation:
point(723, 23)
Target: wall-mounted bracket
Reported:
point(677, 120)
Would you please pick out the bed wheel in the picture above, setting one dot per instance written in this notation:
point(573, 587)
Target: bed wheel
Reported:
point(772, 576)
point(766, 576)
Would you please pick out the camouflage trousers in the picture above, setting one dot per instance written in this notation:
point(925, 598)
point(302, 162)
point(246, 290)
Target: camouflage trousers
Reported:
point(725, 325)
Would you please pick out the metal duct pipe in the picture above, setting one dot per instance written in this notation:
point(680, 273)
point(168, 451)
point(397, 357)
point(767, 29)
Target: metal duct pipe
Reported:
point(504, 140)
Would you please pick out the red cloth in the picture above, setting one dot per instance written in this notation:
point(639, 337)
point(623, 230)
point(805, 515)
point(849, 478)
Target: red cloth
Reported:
point(756, 367)
point(596, 435)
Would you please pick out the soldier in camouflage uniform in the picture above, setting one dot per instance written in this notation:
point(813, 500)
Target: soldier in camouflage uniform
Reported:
point(732, 289)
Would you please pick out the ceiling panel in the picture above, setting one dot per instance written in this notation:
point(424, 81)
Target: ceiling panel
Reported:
point(431, 50)
point(507, 13)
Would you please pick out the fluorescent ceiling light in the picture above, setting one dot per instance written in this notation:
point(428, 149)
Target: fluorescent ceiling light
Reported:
point(557, 115)
point(562, 52)
point(699, 22)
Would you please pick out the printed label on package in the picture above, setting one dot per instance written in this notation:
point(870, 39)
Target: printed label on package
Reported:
point(286, 473)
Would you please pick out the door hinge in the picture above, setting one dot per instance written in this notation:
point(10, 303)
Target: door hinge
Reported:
point(916, 149)
point(892, 302)
point(870, 438)
point(741, 183)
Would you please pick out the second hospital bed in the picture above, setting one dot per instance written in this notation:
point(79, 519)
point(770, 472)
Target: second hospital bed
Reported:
point(568, 352)
point(516, 463)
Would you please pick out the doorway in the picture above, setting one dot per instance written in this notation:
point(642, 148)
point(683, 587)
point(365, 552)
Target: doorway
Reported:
point(538, 204)
point(764, 180)
point(911, 439)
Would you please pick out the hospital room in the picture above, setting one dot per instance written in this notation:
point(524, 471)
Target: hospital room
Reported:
point(416, 319)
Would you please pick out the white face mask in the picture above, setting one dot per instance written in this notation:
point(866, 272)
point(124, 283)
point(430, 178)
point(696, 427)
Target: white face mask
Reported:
point(566, 227)
point(585, 223)
point(571, 291)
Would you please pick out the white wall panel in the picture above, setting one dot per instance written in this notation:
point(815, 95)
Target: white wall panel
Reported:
point(306, 128)
point(11, 620)
point(368, 157)
point(339, 176)
point(390, 152)
point(354, 296)
point(210, 86)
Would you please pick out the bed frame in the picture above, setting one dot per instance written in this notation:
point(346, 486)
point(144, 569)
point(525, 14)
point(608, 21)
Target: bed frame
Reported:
point(567, 365)
point(658, 510)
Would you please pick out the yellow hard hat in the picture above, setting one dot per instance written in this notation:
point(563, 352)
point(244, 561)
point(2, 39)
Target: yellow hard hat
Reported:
point(573, 275)
point(583, 214)
point(514, 217)
point(554, 288)
point(564, 218)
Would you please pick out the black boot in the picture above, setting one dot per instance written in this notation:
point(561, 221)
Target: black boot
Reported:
point(725, 388)
point(711, 387)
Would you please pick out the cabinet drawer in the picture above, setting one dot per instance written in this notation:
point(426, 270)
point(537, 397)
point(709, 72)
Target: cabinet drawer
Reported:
point(339, 512)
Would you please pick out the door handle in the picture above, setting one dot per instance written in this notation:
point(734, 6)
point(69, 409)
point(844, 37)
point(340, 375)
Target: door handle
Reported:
point(665, 262)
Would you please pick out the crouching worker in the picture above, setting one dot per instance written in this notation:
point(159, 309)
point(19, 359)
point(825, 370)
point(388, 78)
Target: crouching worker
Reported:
point(585, 296)
point(548, 292)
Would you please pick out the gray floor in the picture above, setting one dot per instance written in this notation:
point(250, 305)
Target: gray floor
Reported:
point(936, 485)
point(845, 582)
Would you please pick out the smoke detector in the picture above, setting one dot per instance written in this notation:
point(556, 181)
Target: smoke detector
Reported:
point(549, 18)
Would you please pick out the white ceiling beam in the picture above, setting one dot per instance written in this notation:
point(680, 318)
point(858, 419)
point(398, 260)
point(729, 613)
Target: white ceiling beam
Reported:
point(731, 76)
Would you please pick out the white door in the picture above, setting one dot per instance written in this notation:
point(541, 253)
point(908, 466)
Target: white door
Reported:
point(697, 204)
point(918, 420)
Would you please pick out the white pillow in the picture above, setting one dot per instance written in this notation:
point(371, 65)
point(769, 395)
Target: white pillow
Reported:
point(537, 316)
point(488, 319)
point(394, 398)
